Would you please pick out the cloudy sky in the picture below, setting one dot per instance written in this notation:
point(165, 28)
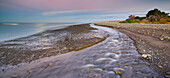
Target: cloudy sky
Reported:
point(75, 10)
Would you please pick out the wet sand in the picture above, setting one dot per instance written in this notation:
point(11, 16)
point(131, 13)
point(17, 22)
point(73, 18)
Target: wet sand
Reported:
point(115, 57)
point(150, 39)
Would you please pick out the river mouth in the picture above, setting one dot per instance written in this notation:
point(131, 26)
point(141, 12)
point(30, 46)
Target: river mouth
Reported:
point(48, 43)
point(115, 57)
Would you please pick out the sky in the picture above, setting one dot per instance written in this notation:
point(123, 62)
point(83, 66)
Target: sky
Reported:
point(76, 10)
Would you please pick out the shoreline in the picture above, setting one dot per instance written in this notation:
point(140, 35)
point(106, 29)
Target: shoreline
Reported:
point(144, 43)
point(55, 27)
point(149, 40)
point(47, 43)
point(114, 57)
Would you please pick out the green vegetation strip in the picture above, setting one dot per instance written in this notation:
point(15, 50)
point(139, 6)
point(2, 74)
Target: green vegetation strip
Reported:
point(153, 16)
point(86, 46)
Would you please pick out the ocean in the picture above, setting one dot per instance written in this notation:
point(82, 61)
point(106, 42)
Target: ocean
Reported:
point(10, 31)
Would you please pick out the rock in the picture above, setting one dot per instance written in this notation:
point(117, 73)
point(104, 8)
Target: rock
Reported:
point(98, 70)
point(14, 76)
point(146, 56)
point(160, 66)
point(161, 39)
point(120, 52)
point(136, 60)
point(65, 39)
point(167, 76)
point(50, 64)
point(29, 72)
point(154, 77)
point(3, 69)
point(167, 73)
point(118, 72)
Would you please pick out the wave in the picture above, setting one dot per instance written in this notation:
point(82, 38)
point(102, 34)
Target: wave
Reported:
point(9, 23)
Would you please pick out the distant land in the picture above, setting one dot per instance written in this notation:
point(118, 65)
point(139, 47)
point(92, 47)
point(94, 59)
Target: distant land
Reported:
point(153, 16)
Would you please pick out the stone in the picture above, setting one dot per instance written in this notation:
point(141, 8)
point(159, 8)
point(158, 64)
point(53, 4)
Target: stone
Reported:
point(154, 77)
point(146, 56)
point(160, 66)
point(118, 72)
point(167, 76)
point(161, 39)
point(50, 64)
point(3, 69)
point(14, 76)
point(167, 73)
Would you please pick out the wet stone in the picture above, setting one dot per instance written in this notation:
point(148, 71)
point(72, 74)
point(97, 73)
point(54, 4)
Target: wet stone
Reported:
point(168, 73)
point(50, 64)
point(167, 76)
point(110, 74)
point(118, 72)
point(126, 64)
point(146, 56)
point(160, 66)
point(14, 76)
point(98, 70)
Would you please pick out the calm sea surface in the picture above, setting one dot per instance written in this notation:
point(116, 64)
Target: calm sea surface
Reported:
point(9, 31)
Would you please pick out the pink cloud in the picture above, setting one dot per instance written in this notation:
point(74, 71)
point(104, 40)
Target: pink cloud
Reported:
point(71, 11)
point(66, 4)
point(10, 6)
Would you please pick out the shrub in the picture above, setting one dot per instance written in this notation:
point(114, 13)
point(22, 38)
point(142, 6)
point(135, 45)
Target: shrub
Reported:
point(132, 21)
point(153, 16)
point(124, 22)
point(144, 20)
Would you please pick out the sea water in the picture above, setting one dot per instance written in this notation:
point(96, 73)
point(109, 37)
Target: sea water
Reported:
point(9, 31)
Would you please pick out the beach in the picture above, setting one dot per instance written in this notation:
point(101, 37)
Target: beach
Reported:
point(152, 39)
point(95, 50)
point(47, 43)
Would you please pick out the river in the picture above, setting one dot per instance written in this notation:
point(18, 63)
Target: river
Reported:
point(115, 57)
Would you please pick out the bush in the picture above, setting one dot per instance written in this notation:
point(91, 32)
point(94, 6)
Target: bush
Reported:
point(144, 20)
point(124, 22)
point(132, 21)
point(153, 16)
point(156, 12)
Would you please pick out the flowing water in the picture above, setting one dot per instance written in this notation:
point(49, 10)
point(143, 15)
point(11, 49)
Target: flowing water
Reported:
point(116, 57)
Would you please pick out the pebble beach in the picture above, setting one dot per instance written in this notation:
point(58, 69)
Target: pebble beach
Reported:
point(96, 50)
point(151, 40)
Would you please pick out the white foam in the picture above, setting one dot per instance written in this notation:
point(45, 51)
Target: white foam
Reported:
point(118, 69)
point(89, 66)
point(100, 60)
point(114, 40)
point(98, 69)
point(111, 72)
point(110, 54)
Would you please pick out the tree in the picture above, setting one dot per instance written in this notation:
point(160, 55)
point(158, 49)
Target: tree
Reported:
point(156, 12)
point(156, 15)
point(132, 17)
point(153, 16)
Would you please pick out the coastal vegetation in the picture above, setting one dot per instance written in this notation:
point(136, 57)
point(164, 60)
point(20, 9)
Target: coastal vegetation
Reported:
point(153, 16)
